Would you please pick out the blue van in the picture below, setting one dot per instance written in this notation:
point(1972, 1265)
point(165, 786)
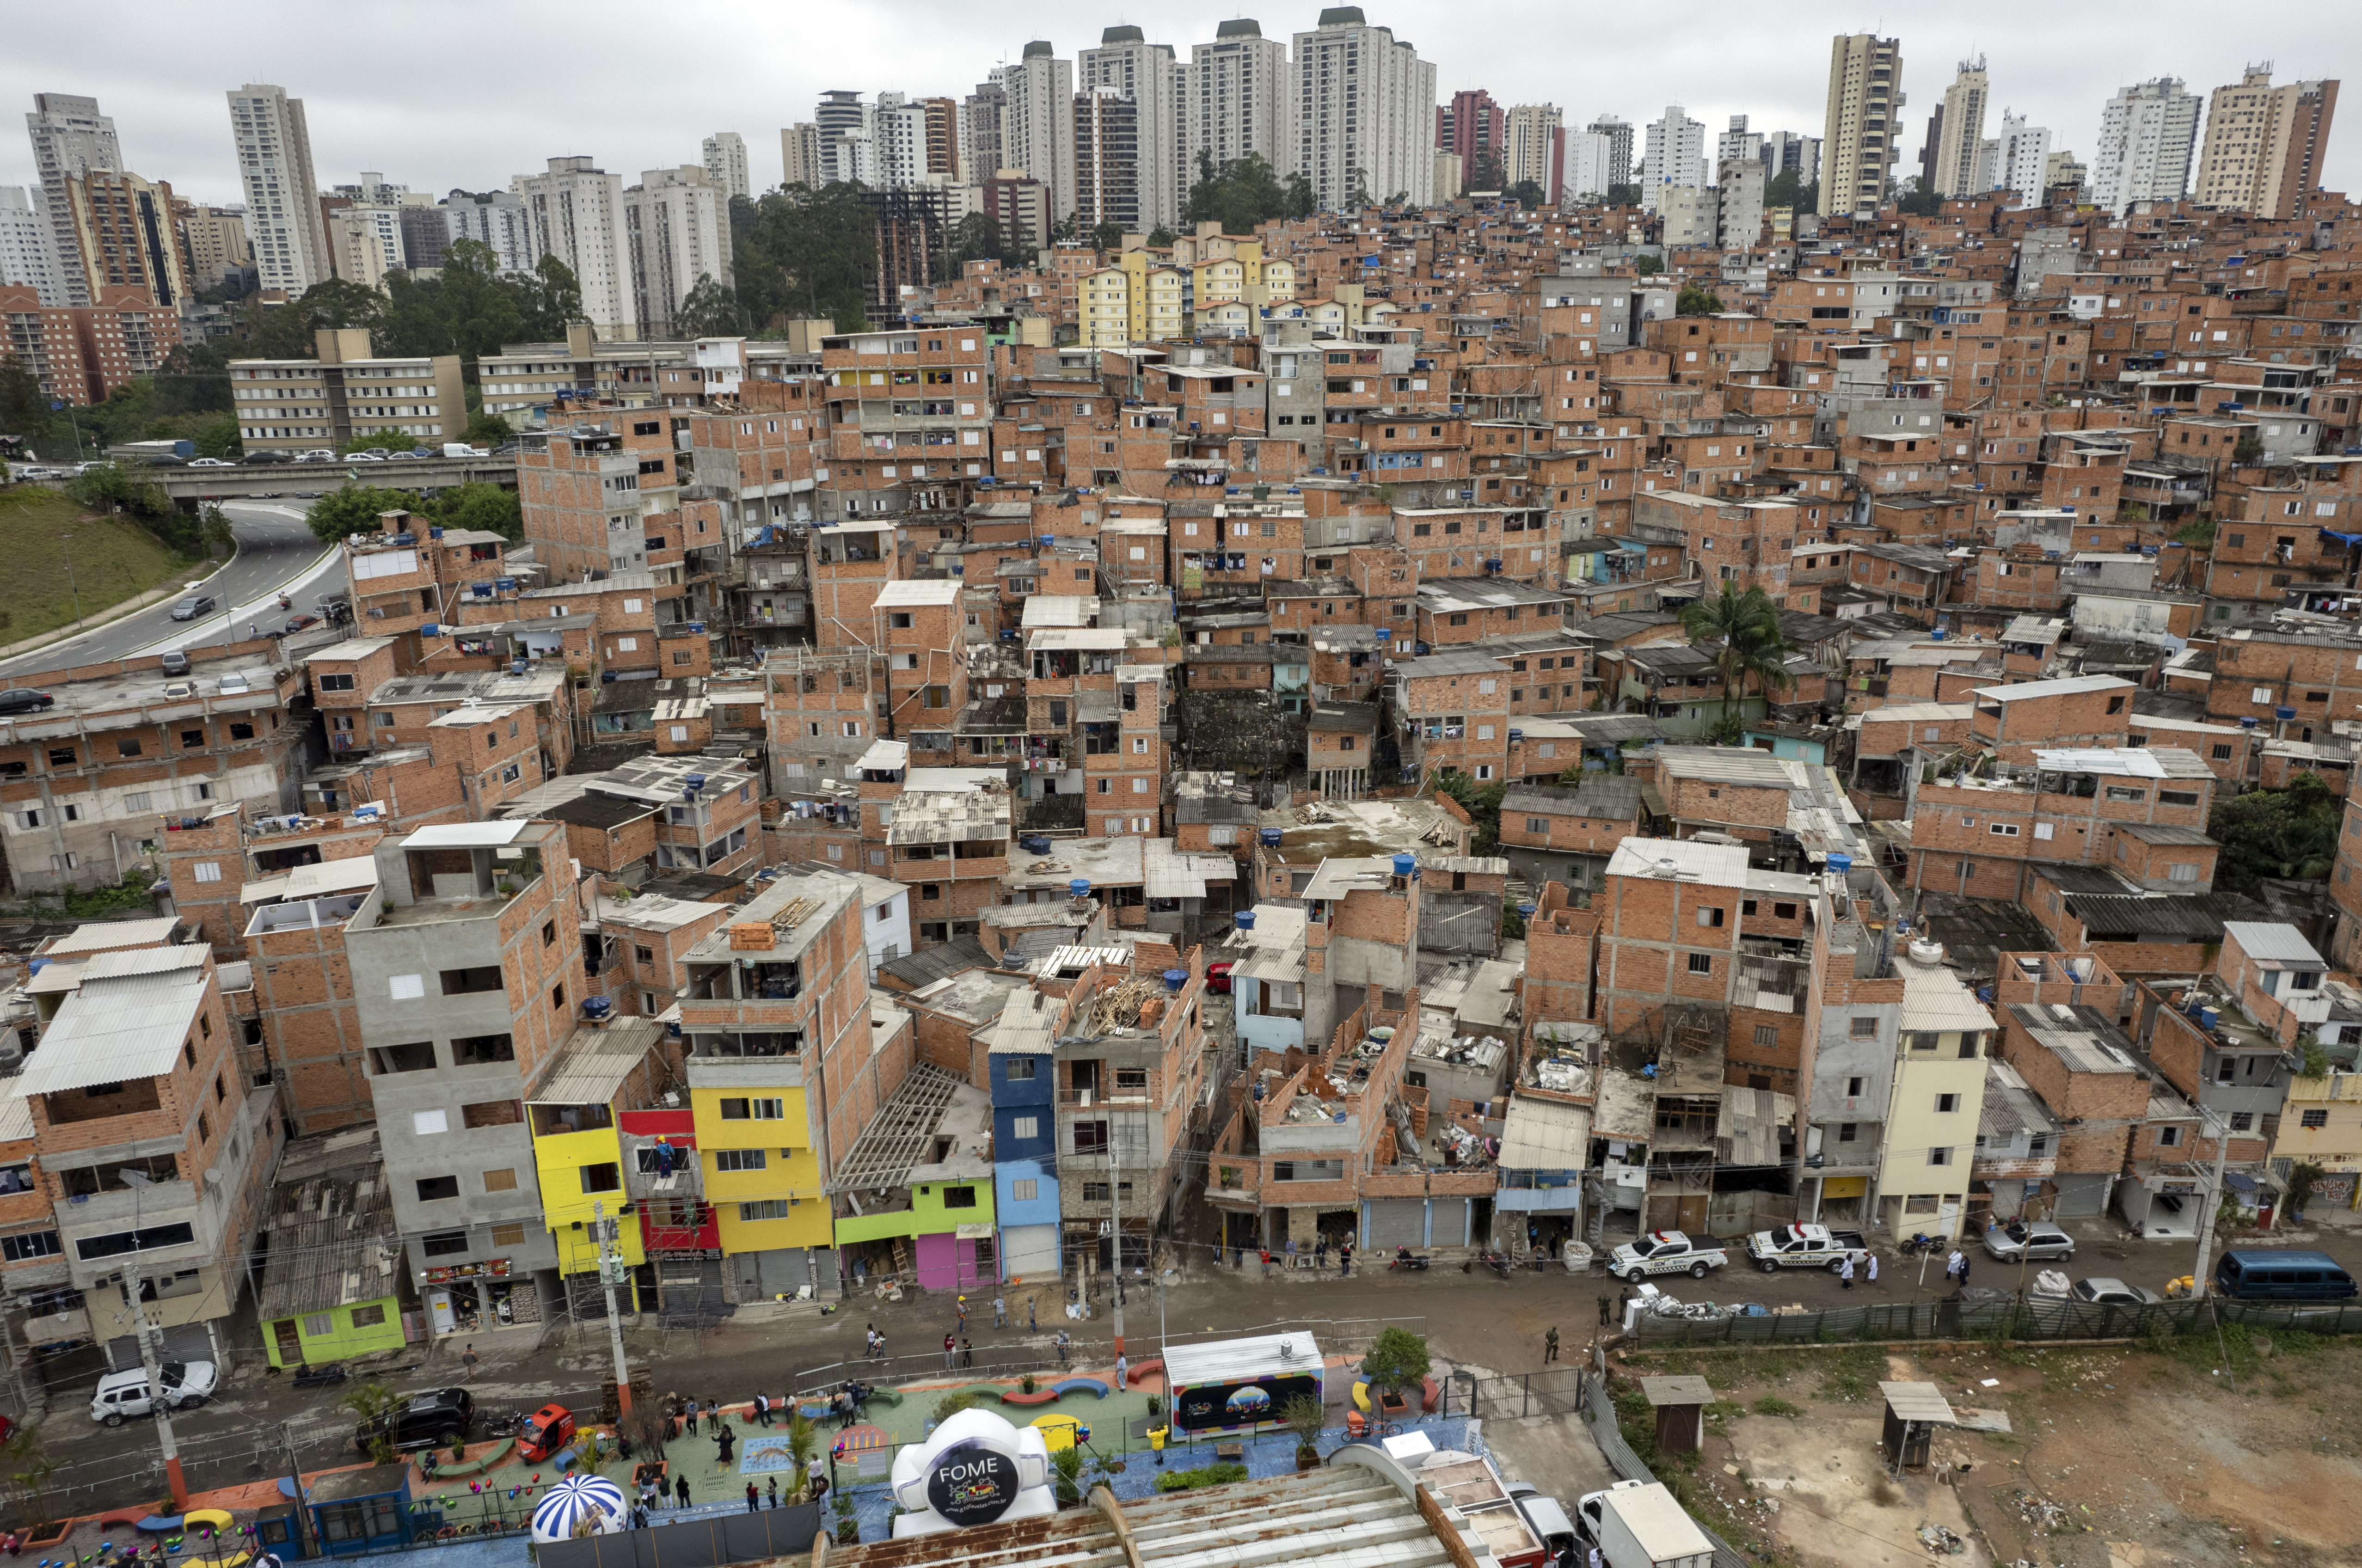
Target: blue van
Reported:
point(2282, 1276)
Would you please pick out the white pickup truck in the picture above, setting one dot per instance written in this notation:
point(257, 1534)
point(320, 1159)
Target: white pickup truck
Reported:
point(1665, 1252)
point(1807, 1246)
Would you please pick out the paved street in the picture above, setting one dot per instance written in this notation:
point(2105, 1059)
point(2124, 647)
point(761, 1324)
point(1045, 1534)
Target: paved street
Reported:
point(275, 552)
point(1471, 1319)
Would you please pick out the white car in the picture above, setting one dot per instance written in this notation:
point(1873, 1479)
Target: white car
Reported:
point(1665, 1252)
point(121, 1395)
point(209, 463)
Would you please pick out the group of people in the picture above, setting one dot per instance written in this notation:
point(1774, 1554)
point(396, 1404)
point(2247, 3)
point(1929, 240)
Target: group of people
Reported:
point(1319, 1256)
point(815, 1481)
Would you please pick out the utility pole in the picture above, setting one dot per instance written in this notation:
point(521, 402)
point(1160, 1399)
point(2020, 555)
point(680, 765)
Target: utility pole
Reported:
point(1115, 1231)
point(2220, 1126)
point(295, 1479)
point(611, 1263)
point(148, 1360)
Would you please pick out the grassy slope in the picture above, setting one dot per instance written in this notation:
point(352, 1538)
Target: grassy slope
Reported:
point(113, 561)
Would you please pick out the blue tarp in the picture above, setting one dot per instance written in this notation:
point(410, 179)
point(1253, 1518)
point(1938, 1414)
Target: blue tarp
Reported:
point(2348, 540)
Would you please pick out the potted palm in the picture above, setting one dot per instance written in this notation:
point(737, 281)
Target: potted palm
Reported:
point(1305, 1416)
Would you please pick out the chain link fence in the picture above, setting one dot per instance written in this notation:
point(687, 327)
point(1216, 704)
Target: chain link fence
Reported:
point(2004, 1320)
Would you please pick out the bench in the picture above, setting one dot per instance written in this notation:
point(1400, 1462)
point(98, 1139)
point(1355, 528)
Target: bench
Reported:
point(1044, 1397)
point(1154, 1363)
point(477, 1466)
point(1081, 1385)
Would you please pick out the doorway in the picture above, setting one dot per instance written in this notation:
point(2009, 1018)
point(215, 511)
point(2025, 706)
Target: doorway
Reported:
point(291, 1343)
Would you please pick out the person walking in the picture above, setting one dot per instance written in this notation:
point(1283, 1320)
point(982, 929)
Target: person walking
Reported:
point(1122, 1372)
point(763, 1409)
point(1964, 1271)
point(1873, 1267)
point(754, 1500)
point(1320, 1253)
point(690, 1411)
point(1029, 1316)
point(1844, 1272)
point(1063, 1343)
point(1603, 1311)
point(951, 1350)
point(967, 1352)
point(469, 1361)
point(1266, 1263)
point(772, 1490)
point(961, 1304)
point(680, 1489)
point(1344, 1260)
point(1954, 1265)
point(1549, 1345)
point(999, 1313)
point(722, 1444)
point(816, 1476)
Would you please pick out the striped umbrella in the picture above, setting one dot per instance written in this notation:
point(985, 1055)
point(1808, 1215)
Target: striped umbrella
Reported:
point(569, 1501)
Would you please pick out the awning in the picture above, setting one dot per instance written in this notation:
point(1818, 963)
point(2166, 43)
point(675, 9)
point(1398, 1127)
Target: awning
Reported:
point(2348, 540)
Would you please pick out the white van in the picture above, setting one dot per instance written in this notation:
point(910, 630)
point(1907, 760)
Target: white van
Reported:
point(121, 1395)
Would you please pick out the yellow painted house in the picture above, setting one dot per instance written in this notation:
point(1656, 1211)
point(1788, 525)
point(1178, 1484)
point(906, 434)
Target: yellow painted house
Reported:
point(577, 1156)
point(754, 1141)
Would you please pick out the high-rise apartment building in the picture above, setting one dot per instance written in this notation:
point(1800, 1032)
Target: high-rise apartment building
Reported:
point(677, 233)
point(1529, 140)
point(2064, 169)
point(1787, 152)
point(983, 121)
point(1737, 142)
point(574, 210)
point(425, 236)
point(842, 120)
point(1148, 74)
point(2019, 158)
point(2148, 132)
point(283, 206)
point(1590, 158)
point(943, 161)
point(1108, 164)
point(125, 235)
point(1865, 107)
point(28, 248)
point(499, 221)
point(1364, 113)
point(895, 158)
point(1674, 154)
point(70, 138)
point(726, 160)
point(1619, 132)
point(1038, 124)
point(1235, 100)
point(1474, 126)
point(1738, 202)
point(2264, 144)
point(799, 156)
point(1961, 131)
point(356, 244)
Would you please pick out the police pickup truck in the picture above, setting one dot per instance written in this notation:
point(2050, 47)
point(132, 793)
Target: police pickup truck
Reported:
point(1665, 1252)
point(1805, 1246)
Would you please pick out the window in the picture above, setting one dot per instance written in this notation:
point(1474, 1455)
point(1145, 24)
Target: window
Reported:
point(959, 1197)
point(1864, 1028)
point(24, 1248)
point(1854, 1087)
point(367, 1317)
point(1940, 1156)
point(432, 1190)
point(1848, 1131)
point(1922, 1040)
point(427, 1122)
point(1020, 1067)
point(512, 1233)
point(1766, 1035)
point(1700, 963)
point(1948, 1103)
point(2243, 1121)
point(464, 982)
point(754, 1109)
point(604, 1176)
point(502, 1180)
point(764, 1209)
point(2313, 1119)
point(1709, 917)
point(1023, 1191)
point(738, 1159)
point(2177, 797)
point(2169, 1137)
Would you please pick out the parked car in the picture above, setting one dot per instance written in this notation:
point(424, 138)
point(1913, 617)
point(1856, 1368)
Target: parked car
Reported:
point(1218, 978)
point(415, 452)
point(2283, 1276)
point(366, 457)
point(2025, 1239)
point(209, 463)
point(1665, 1252)
point(430, 1420)
point(379, 452)
point(310, 1376)
point(1807, 1246)
point(254, 459)
point(24, 699)
point(1546, 1520)
point(297, 622)
point(2114, 1292)
point(194, 605)
point(121, 1395)
point(175, 663)
point(307, 495)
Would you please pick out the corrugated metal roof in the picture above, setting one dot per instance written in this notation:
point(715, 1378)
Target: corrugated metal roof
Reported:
point(1934, 999)
point(2158, 834)
point(1545, 1135)
point(1715, 864)
point(592, 1066)
point(102, 935)
point(2273, 941)
point(1732, 764)
point(2197, 916)
point(2069, 687)
point(1917, 1402)
point(466, 835)
point(919, 593)
point(123, 1025)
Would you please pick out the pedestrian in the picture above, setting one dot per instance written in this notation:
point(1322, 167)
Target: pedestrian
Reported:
point(1845, 1272)
point(469, 1361)
point(722, 1443)
point(1596, 1560)
point(816, 1476)
point(1344, 1260)
point(1549, 1345)
point(951, 1350)
point(1964, 1272)
point(1029, 1315)
point(773, 1488)
point(1288, 1260)
point(1266, 1263)
point(1953, 1268)
point(1063, 1343)
point(999, 1313)
point(1320, 1253)
point(962, 1311)
point(691, 1409)
point(1122, 1372)
point(1603, 1310)
point(1622, 1300)
point(967, 1352)
point(253, 630)
point(754, 1500)
point(1873, 1267)
point(681, 1488)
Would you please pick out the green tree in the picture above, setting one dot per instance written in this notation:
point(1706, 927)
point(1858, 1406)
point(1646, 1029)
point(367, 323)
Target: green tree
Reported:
point(487, 507)
point(1527, 193)
point(1921, 203)
point(219, 438)
point(1743, 625)
point(374, 1403)
point(550, 301)
point(1242, 193)
point(23, 410)
point(214, 528)
point(489, 429)
point(1790, 189)
point(1397, 1360)
point(480, 309)
point(392, 440)
point(1305, 1416)
point(2288, 834)
point(1485, 172)
point(710, 310)
point(1696, 301)
point(353, 509)
point(1624, 195)
point(1481, 801)
point(1108, 237)
point(811, 253)
point(1160, 238)
point(1648, 266)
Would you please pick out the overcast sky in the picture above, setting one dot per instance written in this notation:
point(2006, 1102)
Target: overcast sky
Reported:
point(434, 93)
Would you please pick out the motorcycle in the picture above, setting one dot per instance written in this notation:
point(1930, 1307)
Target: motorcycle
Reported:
point(505, 1425)
point(285, 602)
point(1497, 1263)
point(1404, 1258)
point(1922, 1243)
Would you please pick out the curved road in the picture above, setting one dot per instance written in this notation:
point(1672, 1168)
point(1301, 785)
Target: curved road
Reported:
point(276, 552)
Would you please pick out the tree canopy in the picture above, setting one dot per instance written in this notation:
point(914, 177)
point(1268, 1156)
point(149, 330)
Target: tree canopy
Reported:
point(1243, 192)
point(1789, 189)
point(1743, 627)
point(354, 508)
point(1696, 301)
point(2287, 833)
point(807, 252)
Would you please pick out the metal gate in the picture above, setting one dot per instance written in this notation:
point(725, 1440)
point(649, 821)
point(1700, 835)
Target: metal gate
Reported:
point(184, 1341)
point(1396, 1223)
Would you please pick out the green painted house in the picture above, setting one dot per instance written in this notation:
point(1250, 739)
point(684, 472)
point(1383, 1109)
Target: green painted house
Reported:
point(333, 1286)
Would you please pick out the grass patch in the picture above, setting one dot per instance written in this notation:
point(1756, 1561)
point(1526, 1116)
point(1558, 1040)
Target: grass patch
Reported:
point(1772, 1405)
point(113, 561)
point(1851, 1375)
point(1217, 1475)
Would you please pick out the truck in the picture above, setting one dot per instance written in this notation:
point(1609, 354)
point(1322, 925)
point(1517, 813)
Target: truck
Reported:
point(1807, 1246)
point(1665, 1252)
point(461, 449)
point(1640, 1526)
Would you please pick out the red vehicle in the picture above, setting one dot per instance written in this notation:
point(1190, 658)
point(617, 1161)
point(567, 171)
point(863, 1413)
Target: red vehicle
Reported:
point(1218, 978)
point(546, 1431)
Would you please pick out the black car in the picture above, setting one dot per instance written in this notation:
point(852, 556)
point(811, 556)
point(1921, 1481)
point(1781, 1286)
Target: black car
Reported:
point(257, 457)
point(24, 699)
point(195, 606)
point(429, 1420)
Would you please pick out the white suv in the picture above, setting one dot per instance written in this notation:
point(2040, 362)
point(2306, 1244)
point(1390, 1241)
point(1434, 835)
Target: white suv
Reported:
point(121, 1395)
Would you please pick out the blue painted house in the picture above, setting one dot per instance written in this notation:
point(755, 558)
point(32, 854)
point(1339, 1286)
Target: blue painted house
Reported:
point(1265, 953)
point(1025, 1135)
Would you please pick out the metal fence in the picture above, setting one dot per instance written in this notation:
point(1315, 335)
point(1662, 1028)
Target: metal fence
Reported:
point(2042, 1320)
point(1599, 1410)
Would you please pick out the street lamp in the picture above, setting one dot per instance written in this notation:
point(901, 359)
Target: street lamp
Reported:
point(67, 540)
point(158, 1404)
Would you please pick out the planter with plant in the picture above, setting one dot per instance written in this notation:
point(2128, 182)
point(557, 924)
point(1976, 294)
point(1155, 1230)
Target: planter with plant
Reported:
point(1025, 1383)
point(1397, 1360)
point(1305, 1416)
point(848, 1529)
point(1067, 1472)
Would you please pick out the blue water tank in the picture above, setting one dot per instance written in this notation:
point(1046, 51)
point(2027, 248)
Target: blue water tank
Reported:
point(1517, 734)
point(1033, 844)
point(1384, 634)
point(436, 531)
point(1244, 920)
point(693, 783)
point(2207, 1017)
point(2284, 712)
point(2246, 721)
point(1270, 836)
point(430, 630)
point(1840, 863)
point(1175, 978)
point(1525, 911)
point(597, 1007)
point(1937, 634)
point(1406, 864)
point(1079, 887)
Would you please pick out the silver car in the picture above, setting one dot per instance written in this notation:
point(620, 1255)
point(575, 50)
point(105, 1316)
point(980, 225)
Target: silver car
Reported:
point(2114, 1292)
point(2028, 1239)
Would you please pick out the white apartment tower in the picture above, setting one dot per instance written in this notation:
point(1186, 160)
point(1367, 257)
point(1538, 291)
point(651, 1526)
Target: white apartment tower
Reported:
point(1527, 138)
point(283, 199)
point(896, 159)
point(676, 231)
point(1619, 132)
point(575, 212)
point(1038, 123)
point(841, 119)
point(726, 160)
point(70, 138)
point(1148, 74)
point(1672, 154)
point(1590, 157)
point(2021, 158)
point(1737, 142)
point(2146, 134)
point(1235, 98)
point(499, 222)
point(1364, 113)
point(1858, 145)
point(28, 253)
point(1960, 138)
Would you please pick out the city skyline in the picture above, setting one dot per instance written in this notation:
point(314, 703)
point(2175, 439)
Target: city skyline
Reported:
point(442, 131)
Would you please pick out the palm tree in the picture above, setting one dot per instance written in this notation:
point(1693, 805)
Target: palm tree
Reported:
point(1743, 626)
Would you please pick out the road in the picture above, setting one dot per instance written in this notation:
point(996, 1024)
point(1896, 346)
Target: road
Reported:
point(275, 551)
point(1474, 1320)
